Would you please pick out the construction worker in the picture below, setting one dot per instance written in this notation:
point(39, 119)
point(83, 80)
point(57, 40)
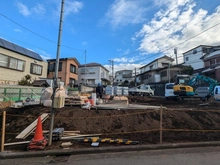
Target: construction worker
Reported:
point(99, 91)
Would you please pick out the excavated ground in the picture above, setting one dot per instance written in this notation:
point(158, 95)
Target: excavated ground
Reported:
point(126, 124)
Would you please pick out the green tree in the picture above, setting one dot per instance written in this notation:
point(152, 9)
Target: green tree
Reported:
point(187, 70)
point(26, 80)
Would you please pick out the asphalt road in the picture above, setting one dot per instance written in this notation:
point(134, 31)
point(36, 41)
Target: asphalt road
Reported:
point(184, 156)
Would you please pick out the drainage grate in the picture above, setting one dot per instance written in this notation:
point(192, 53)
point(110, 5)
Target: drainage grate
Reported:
point(59, 159)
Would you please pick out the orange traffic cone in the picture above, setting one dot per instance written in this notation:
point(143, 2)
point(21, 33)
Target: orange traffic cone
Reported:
point(38, 136)
point(39, 141)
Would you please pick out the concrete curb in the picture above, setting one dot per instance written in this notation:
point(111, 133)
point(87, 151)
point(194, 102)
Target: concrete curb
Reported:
point(43, 153)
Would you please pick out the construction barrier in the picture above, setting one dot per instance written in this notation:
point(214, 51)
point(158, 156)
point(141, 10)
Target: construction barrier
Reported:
point(161, 129)
point(20, 93)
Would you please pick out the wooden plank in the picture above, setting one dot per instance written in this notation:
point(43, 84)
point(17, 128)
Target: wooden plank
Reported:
point(27, 131)
point(78, 136)
point(71, 134)
point(16, 143)
point(72, 131)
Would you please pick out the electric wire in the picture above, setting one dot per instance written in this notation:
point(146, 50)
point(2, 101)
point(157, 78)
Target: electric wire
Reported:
point(38, 34)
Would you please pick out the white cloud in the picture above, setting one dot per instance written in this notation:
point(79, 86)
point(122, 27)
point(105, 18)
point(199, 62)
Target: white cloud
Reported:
point(73, 7)
point(124, 12)
point(45, 55)
point(70, 7)
point(39, 9)
point(122, 66)
point(84, 43)
point(175, 23)
point(23, 9)
point(17, 30)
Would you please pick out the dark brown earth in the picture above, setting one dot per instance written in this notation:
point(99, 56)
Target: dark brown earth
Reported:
point(183, 121)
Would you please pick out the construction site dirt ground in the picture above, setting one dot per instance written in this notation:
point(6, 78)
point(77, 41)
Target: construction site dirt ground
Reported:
point(183, 121)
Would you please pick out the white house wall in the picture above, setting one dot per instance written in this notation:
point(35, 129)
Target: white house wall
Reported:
point(97, 76)
point(194, 58)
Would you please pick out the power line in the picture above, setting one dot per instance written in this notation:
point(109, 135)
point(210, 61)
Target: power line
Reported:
point(38, 34)
point(163, 51)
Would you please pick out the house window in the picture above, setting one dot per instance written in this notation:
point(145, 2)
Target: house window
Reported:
point(212, 62)
point(187, 58)
point(36, 69)
point(72, 81)
point(4, 60)
point(165, 64)
point(207, 63)
point(151, 67)
point(92, 70)
point(163, 74)
point(83, 71)
point(194, 51)
point(72, 68)
point(12, 63)
point(91, 81)
point(53, 66)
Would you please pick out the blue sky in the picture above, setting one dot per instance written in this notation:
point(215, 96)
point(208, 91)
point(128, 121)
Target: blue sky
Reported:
point(131, 33)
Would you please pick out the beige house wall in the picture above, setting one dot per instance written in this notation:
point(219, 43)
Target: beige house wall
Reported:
point(10, 76)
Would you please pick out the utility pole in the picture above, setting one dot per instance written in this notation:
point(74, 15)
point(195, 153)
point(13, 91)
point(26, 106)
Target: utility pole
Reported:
point(112, 64)
point(135, 76)
point(175, 52)
point(55, 81)
point(169, 73)
point(85, 70)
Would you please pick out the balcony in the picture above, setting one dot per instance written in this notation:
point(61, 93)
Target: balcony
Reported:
point(127, 75)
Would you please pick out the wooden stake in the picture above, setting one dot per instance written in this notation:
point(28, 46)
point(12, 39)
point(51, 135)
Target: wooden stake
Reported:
point(3, 131)
point(161, 124)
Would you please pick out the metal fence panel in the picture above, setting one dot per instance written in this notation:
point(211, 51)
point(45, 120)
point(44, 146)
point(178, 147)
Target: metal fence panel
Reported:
point(20, 93)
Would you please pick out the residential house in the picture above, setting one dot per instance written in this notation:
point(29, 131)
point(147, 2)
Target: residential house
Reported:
point(212, 63)
point(67, 70)
point(204, 59)
point(92, 74)
point(151, 73)
point(17, 62)
point(123, 77)
point(193, 57)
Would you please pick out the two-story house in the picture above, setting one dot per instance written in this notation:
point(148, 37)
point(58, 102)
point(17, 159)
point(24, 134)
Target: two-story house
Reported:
point(92, 74)
point(151, 73)
point(123, 77)
point(67, 70)
point(212, 63)
point(17, 62)
point(193, 57)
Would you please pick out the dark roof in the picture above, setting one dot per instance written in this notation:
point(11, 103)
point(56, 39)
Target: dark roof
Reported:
point(125, 70)
point(168, 58)
point(93, 64)
point(18, 49)
point(64, 59)
point(40, 83)
point(205, 46)
point(90, 64)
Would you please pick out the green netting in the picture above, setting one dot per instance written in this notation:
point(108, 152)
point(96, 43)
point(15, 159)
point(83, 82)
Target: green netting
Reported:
point(15, 94)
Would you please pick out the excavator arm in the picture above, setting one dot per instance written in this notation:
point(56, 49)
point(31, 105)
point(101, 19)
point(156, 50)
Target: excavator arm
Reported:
point(212, 83)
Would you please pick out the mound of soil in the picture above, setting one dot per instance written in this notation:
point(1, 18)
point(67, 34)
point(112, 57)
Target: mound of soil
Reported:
point(181, 122)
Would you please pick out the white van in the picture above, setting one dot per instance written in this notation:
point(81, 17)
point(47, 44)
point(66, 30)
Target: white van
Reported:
point(169, 92)
point(217, 93)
